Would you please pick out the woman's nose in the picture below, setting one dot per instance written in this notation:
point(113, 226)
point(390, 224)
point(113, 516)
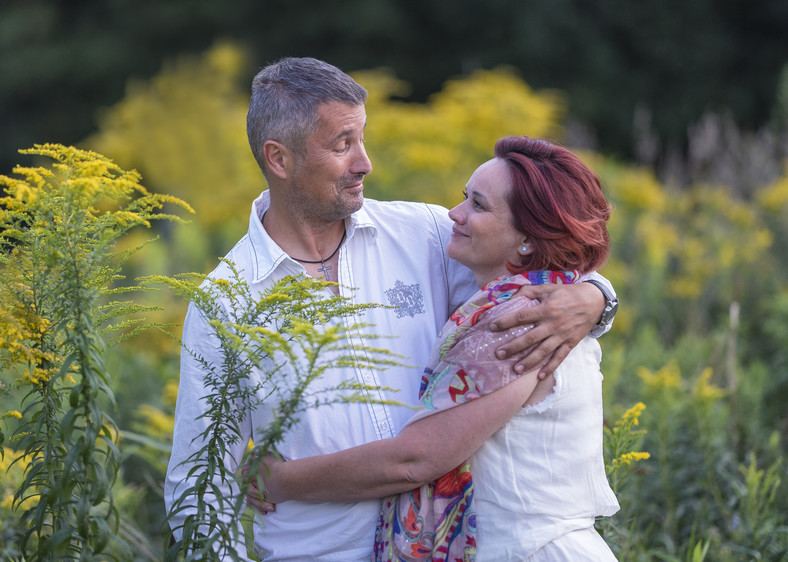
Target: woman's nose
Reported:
point(457, 215)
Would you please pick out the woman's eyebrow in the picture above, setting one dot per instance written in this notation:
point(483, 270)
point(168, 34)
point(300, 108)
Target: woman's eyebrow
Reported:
point(478, 195)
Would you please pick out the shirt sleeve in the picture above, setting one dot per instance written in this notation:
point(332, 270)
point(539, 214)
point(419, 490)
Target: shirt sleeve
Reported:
point(598, 331)
point(191, 422)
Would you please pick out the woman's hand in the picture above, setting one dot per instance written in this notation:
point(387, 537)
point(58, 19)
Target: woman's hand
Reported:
point(565, 315)
point(260, 482)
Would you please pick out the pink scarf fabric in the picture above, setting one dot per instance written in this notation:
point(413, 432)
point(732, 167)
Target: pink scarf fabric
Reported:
point(437, 522)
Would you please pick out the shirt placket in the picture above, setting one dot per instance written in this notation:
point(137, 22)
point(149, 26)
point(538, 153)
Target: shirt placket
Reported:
point(379, 413)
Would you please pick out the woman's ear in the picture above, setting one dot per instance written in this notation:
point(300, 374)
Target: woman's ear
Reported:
point(525, 248)
point(277, 158)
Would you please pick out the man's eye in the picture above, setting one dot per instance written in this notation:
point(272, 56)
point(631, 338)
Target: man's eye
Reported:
point(464, 194)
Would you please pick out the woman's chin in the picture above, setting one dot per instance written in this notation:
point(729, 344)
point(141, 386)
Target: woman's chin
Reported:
point(454, 254)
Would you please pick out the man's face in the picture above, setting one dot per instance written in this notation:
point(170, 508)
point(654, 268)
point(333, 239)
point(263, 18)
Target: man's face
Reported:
point(328, 180)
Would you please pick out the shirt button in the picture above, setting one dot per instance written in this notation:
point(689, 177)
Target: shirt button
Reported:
point(368, 378)
point(384, 426)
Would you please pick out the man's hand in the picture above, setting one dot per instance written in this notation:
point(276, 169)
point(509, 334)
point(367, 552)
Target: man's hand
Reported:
point(565, 315)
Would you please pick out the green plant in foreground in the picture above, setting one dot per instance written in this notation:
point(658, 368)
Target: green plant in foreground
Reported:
point(272, 346)
point(620, 443)
point(58, 228)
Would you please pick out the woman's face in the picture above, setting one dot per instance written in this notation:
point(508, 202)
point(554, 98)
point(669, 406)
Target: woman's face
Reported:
point(483, 237)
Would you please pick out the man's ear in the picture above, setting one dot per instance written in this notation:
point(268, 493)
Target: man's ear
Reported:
point(277, 158)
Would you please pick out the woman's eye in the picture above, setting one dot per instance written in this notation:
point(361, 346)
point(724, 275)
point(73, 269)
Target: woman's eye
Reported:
point(464, 194)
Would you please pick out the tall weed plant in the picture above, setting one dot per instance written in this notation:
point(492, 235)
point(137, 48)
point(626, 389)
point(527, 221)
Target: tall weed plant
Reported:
point(298, 333)
point(58, 227)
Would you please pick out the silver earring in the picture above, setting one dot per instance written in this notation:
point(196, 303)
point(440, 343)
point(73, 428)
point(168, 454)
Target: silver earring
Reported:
point(524, 249)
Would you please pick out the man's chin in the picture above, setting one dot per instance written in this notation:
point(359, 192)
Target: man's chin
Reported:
point(355, 201)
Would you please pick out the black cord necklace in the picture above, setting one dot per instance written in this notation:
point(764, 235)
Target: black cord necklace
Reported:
point(324, 268)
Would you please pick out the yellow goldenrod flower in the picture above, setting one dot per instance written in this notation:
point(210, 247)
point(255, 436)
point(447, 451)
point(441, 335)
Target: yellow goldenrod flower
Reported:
point(156, 420)
point(705, 390)
point(628, 458)
point(667, 377)
point(170, 393)
point(632, 416)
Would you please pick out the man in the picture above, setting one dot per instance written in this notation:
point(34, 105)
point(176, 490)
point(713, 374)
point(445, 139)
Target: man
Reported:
point(306, 126)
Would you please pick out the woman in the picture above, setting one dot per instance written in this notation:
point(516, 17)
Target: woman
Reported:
point(533, 214)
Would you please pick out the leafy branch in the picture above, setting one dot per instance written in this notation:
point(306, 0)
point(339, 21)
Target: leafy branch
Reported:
point(272, 345)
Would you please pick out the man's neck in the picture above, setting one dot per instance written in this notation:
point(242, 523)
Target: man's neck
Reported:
point(300, 237)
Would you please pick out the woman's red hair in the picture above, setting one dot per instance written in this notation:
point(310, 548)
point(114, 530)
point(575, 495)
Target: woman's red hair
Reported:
point(557, 202)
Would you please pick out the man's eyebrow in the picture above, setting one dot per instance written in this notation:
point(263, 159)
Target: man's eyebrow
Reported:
point(347, 132)
point(342, 134)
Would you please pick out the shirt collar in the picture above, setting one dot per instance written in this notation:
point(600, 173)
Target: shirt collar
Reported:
point(267, 255)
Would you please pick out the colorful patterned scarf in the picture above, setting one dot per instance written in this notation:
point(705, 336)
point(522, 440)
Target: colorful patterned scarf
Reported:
point(437, 521)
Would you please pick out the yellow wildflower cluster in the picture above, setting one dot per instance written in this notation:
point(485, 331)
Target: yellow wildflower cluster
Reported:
point(37, 377)
point(156, 422)
point(22, 334)
point(705, 390)
point(704, 251)
point(186, 130)
point(633, 188)
point(774, 198)
point(424, 151)
point(84, 180)
point(668, 377)
point(626, 459)
point(126, 218)
point(619, 442)
point(631, 417)
point(12, 468)
point(170, 393)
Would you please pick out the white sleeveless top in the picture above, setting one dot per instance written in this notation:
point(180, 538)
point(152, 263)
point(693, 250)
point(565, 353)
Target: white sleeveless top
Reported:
point(542, 475)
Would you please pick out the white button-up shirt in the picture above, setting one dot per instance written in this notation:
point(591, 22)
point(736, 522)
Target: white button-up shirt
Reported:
point(394, 254)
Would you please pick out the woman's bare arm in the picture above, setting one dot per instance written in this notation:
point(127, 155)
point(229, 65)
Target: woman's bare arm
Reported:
point(422, 452)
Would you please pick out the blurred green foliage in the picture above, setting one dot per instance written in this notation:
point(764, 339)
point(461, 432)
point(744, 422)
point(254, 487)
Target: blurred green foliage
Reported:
point(701, 272)
point(670, 59)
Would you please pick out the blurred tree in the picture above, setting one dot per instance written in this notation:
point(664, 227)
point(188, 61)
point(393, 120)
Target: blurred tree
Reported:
point(670, 60)
point(185, 131)
point(60, 60)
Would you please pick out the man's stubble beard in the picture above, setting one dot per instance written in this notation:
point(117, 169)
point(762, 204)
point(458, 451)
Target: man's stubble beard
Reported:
point(323, 211)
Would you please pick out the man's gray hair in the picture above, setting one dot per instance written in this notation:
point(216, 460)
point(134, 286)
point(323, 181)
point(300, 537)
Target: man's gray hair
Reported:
point(285, 99)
